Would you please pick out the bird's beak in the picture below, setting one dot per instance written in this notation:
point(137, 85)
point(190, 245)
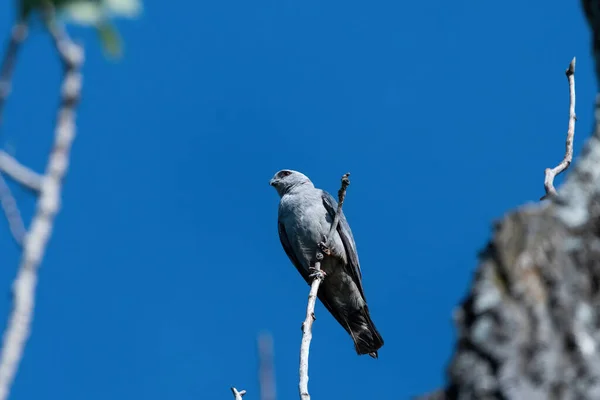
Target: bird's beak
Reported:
point(272, 182)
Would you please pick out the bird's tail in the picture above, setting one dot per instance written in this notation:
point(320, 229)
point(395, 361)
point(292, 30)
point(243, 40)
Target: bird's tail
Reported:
point(367, 339)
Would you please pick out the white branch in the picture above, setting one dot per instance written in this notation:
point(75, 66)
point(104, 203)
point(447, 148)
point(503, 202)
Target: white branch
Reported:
point(237, 395)
point(20, 173)
point(318, 277)
point(307, 331)
point(551, 173)
point(11, 211)
point(48, 204)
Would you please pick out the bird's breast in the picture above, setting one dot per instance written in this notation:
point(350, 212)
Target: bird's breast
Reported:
point(309, 222)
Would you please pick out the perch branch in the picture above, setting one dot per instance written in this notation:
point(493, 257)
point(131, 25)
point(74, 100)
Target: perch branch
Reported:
point(11, 211)
point(237, 395)
point(341, 198)
point(266, 371)
point(318, 277)
point(48, 204)
point(551, 173)
point(19, 173)
point(17, 37)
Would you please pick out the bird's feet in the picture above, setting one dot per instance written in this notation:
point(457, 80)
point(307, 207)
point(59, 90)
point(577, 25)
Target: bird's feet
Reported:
point(324, 248)
point(317, 273)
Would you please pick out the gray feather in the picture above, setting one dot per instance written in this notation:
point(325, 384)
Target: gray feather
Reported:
point(305, 217)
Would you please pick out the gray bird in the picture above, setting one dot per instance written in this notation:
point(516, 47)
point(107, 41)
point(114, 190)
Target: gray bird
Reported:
point(305, 217)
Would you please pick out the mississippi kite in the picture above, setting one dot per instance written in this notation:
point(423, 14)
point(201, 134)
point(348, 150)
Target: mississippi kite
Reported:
point(305, 217)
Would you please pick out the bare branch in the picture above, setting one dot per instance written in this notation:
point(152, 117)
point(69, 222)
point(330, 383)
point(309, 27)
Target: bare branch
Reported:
point(341, 198)
point(266, 371)
point(307, 330)
point(34, 246)
point(19, 173)
point(237, 395)
point(17, 37)
point(551, 173)
point(11, 211)
point(318, 275)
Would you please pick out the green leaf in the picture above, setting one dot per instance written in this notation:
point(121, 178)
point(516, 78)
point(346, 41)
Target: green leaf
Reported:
point(92, 13)
point(84, 12)
point(110, 39)
point(123, 8)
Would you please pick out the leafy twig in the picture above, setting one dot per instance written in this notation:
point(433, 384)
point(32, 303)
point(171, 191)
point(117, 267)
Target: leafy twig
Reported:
point(318, 276)
point(551, 173)
point(48, 204)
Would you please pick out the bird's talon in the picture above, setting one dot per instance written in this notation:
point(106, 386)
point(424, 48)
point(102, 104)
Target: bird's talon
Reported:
point(323, 247)
point(318, 273)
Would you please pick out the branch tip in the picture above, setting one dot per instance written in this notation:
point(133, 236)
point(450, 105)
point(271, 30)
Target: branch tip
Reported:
point(266, 369)
point(571, 69)
point(551, 173)
point(237, 394)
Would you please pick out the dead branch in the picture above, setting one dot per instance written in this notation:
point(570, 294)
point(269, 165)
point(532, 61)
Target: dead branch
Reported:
point(237, 395)
point(551, 173)
point(12, 213)
point(48, 204)
point(21, 174)
point(318, 277)
point(17, 37)
point(266, 372)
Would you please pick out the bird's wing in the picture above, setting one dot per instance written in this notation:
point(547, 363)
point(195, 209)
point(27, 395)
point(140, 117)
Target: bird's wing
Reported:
point(285, 242)
point(323, 296)
point(343, 229)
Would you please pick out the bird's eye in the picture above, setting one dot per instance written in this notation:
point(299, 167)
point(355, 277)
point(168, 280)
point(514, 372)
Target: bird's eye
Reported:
point(285, 173)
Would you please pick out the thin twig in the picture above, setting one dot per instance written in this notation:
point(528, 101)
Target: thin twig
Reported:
point(551, 173)
point(48, 204)
point(237, 395)
point(11, 211)
point(17, 37)
point(265, 370)
point(21, 174)
point(318, 277)
point(341, 198)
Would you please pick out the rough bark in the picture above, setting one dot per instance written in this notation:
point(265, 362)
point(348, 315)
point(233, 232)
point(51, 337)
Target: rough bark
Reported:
point(529, 327)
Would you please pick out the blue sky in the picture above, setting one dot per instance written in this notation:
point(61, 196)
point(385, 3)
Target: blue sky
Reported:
point(165, 262)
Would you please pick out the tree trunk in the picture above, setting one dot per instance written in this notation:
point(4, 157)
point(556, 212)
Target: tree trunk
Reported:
point(530, 326)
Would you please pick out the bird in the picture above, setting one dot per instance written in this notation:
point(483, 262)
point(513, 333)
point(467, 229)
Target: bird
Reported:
point(304, 219)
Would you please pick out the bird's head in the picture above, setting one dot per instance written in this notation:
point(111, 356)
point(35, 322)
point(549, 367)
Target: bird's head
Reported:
point(286, 179)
